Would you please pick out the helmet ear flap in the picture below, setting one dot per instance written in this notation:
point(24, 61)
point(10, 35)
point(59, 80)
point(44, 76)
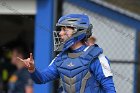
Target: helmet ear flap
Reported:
point(89, 31)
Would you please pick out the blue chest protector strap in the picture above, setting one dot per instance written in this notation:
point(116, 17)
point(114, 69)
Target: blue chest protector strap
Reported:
point(92, 53)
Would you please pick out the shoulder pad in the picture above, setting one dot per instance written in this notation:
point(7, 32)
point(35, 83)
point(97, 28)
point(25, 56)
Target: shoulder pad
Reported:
point(92, 52)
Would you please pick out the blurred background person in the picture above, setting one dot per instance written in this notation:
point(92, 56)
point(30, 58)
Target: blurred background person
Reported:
point(20, 81)
point(6, 68)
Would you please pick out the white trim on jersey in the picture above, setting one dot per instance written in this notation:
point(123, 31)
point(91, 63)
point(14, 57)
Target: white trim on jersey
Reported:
point(86, 48)
point(53, 60)
point(105, 65)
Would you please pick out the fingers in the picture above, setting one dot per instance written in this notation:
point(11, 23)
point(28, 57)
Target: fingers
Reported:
point(31, 57)
point(26, 62)
point(20, 59)
point(29, 62)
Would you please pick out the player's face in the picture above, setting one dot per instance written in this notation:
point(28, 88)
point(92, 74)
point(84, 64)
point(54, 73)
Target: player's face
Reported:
point(66, 33)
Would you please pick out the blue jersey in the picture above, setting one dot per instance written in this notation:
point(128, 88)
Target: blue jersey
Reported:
point(81, 72)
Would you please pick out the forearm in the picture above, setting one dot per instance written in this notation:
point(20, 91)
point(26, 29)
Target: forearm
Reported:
point(38, 77)
point(45, 76)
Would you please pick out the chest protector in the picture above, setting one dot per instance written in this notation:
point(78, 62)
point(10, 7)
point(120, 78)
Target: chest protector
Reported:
point(74, 69)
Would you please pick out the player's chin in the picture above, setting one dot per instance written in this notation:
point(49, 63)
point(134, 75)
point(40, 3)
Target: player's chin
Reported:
point(62, 39)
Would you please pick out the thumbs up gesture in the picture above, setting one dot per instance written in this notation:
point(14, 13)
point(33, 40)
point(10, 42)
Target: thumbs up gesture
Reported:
point(29, 63)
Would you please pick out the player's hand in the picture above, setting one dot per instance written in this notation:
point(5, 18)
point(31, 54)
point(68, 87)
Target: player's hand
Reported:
point(29, 63)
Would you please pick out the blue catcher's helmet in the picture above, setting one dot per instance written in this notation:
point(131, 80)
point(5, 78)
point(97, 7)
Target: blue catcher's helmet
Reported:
point(82, 30)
